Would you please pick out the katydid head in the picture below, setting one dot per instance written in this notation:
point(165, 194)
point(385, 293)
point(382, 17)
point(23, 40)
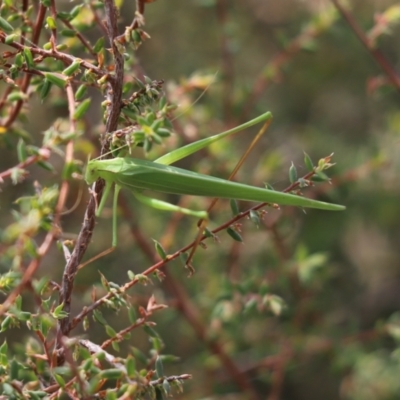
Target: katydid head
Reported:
point(91, 174)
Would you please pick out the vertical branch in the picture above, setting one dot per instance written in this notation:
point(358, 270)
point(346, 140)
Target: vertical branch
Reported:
point(115, 92)
point(114, 96)
point(27, 78)
point(227, 59)
point(375, 53)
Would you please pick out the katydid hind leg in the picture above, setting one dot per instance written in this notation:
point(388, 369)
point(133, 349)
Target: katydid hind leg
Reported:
point(96, 257)
point(191, 148)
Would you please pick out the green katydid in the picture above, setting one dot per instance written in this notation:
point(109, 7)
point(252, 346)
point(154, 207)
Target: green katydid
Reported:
point(139, 175)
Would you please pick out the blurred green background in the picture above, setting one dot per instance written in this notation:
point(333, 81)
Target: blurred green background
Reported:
point(338, 274)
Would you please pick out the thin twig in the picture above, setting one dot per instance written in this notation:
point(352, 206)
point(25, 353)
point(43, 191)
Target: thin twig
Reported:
point(227, 59)
point(376, 54)
point(114, 95)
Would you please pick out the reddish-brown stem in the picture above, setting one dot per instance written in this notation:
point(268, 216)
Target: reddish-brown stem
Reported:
point(80, 37)
point(377, 55)
point(43, 154)
point(170, 257)
point(26, 79)
point(227, 59)
point(114, 95)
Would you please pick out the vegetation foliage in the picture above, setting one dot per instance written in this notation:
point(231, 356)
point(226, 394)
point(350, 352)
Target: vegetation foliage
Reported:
point(281, 303)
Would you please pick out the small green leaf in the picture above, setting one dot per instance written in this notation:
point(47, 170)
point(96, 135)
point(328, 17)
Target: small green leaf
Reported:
point(5, 26)
point(159, 367)
point(60, 380)
point(320, 177)
point(57, 79)
point(58, 312)
point(308, 162)
point(75, 11)
point(19, 60)
point(139, 355)
point(157, 344)
point(10, 39)
point(234, 234)
point(17, 96)
point(110, 331)
point(99, 45)
point(169, 358)
point(74, 67)
point(142, 121)
point(147, 145)
point(81, 91)
point(115, 346)
point(86, 323)
point(132, 315)
point(41, 285)
point(45, 89)
point(68, 33)
point(46, 304)
point(21, 151)
point(36, 394)
point(292, 174)
point(255, 218)
point(135, 35)
point(150, 331)
point(28, 58)
point(81, 109)
point(166, 387)
point(18, 300)
point(4, 348)
point(62, 47)
point(130, 365)
point(129, 113)
point(6, 323)
point(234, 207)
point(98, 316)
point(160, 250)
point(15, 367)
point(87, 365)
point(24, 316)
point(163, 132)
point(45, 165)
point(51, 23)
point(104, 282)
point(163, 102)
point(155, 138)
point(127, 87)
point(112, 373)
